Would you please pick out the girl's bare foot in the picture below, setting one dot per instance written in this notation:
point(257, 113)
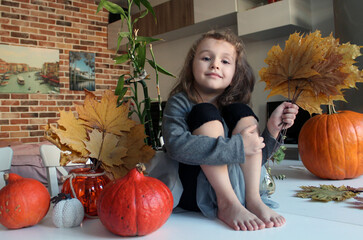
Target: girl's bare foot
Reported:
point(238, 217)
point(266, 214)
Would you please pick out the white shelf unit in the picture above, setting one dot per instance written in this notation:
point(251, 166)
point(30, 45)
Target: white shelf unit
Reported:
point(274, 20)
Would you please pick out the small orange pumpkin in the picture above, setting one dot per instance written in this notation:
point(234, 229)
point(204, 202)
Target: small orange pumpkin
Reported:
point(331, 145)
point(23, 202)
point(135, 205)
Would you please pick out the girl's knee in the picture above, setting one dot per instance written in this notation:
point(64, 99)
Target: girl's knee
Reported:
point(205, 119)
point(244, 123)
point(211, 129)
point(235, 116)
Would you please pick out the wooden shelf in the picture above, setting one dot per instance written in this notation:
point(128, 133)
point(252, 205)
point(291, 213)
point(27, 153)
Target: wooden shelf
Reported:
point(274, 20)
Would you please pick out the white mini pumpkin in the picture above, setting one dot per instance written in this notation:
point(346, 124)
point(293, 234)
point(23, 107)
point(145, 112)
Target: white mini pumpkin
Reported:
point(67, 212)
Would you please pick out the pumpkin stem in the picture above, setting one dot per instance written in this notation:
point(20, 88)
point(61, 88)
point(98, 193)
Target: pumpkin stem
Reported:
point(331, 109)
point(60, 197)
point(12, 177)
point(140, 167)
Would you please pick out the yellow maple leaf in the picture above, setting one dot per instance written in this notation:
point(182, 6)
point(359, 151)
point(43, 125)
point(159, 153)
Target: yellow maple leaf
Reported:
point(70, 133)
point(104, 147)
point(104, 115)
point(311, 70)
point(103, 133)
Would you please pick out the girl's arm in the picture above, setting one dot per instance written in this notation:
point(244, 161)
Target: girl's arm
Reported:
point(184, 147)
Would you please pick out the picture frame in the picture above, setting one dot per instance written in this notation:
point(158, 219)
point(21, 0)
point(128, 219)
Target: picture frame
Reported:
point(29, 70)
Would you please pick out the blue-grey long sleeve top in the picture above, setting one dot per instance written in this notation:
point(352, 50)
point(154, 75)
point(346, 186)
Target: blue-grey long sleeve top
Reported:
point(190, 149)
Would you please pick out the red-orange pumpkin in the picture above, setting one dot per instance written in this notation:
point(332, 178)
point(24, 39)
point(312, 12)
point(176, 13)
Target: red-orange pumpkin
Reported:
point(23, 202)
point(135, 205)
point(331, 146)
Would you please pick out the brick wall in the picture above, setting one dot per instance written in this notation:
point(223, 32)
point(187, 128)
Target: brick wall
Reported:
point(63, 25)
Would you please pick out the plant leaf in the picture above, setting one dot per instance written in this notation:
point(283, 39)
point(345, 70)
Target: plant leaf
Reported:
point(148, 6)
point(147, 40)
point(100, 6)
point(120, 85)
point(121, 35)
point(140, 55)
point(112, 7)
point(142, 15)
point(122, 58)
point(159, 68)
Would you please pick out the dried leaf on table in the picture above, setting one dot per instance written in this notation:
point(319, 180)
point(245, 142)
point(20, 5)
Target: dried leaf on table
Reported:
point(328, 193)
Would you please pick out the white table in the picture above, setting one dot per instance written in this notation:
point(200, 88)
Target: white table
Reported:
point(306, 219)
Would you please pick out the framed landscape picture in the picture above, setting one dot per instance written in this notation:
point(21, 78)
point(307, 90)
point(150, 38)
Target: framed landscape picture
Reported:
point(28, 70)
point(81, 71)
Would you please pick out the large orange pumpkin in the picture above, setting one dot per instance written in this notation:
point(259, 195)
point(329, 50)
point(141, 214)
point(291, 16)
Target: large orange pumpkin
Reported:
point(23, 202)
point(135, 205)
point(331, 145)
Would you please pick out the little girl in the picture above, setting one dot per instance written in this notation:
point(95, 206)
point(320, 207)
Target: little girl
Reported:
point(212, 132)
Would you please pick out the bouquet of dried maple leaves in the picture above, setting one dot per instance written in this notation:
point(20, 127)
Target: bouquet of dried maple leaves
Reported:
point(311, 71)
point(101, 132)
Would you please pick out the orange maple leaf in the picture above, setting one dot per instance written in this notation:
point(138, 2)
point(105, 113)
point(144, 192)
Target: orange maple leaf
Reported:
point(137, 151)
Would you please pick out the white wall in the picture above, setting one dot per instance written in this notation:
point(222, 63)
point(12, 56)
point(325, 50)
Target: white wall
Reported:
point(171, 55)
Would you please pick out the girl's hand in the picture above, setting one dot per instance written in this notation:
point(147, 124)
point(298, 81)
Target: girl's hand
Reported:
point(252, 142)
point(282, 117)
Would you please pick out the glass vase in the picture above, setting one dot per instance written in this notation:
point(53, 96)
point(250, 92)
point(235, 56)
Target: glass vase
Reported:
point(87, 185)
point(268, 183)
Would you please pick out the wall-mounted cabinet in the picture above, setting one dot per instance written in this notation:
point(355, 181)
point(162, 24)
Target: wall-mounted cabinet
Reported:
point(182, 18)
point(274, 20)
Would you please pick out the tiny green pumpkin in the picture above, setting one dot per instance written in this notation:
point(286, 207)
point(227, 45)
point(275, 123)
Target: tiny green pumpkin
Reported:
point(67, 212)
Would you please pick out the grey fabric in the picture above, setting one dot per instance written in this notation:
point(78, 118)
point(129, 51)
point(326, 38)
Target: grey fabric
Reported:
point(184, 147)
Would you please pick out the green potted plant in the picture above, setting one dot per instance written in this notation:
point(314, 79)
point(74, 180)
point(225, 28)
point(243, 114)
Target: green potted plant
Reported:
point(136, 54)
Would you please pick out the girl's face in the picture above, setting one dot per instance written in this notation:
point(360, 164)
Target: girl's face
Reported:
point(214, 65)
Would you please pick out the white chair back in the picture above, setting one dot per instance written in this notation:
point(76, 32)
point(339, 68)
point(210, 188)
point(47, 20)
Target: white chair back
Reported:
point(6, 155)
point(50, 155)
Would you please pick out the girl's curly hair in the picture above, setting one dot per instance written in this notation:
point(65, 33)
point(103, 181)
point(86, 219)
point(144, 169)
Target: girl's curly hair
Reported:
point(243, 81)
